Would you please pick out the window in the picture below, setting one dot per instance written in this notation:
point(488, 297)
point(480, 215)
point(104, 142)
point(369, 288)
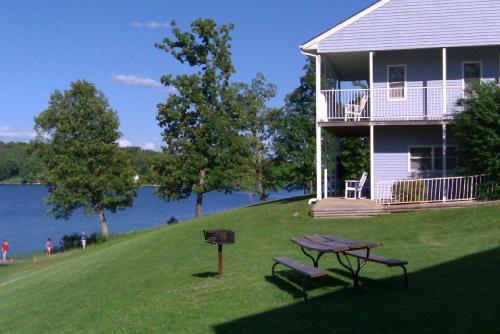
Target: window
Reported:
point(420, 159)
point(430, 158)
point(471, 72)
point(396, 80)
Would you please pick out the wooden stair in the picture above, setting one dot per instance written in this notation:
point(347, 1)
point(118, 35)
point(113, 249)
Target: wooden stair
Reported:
point(342, 208)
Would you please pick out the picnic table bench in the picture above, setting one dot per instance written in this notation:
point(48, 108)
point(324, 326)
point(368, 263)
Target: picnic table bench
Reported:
point(308, 272)
point(383, 260)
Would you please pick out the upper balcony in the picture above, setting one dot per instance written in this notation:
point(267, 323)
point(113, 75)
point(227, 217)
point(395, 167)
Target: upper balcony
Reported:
point(401, 86)
point(391, 104)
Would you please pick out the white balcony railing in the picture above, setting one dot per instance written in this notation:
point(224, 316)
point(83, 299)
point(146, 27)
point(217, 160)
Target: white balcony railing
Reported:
point(410, 103)
point(459, 188)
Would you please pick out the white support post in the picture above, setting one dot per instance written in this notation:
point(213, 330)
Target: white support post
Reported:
point(319, 117)
point(371, 84)
point(318, 162)
point(444, 150)
point(325, 185)
point(372, 168)
point(321, 108)
point(445, 183)
point(445, 82)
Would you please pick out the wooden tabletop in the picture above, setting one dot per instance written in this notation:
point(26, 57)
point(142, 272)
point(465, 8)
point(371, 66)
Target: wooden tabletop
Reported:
point(332, 243)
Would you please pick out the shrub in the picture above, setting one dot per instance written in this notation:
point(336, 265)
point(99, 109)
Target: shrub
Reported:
point(172, 220)
point(417, 192)
point(476, 133)
point(71, 241)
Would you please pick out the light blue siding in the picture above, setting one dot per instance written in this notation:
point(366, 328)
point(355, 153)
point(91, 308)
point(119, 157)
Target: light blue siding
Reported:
point(391, 149)
point(424, 69)
point(419, 24)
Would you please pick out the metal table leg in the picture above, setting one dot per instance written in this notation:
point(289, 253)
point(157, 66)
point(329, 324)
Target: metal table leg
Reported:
point(314, 260)
point(349, 267)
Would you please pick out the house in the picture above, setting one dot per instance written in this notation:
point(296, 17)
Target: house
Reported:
point(416, 58)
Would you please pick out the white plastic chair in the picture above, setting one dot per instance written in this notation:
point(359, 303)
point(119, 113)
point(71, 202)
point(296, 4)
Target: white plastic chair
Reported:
point(355, 186)
point(355, 111)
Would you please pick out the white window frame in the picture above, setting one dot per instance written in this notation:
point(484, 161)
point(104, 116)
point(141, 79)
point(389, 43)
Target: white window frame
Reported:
point(405, 90)
point(480, 62)
point(433, 158)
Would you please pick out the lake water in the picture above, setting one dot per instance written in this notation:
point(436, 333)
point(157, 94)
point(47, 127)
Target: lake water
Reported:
point(25, 224)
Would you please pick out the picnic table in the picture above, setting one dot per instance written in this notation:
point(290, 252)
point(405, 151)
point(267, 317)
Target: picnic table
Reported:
point(323, 244)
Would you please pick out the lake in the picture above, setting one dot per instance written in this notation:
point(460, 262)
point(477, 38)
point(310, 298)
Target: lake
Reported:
point(25, 224)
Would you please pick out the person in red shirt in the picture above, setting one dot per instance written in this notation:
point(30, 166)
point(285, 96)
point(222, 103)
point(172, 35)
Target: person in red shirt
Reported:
point(48, 246)
point(5, 249)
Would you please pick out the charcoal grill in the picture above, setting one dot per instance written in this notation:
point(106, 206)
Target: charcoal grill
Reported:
point(219, 237)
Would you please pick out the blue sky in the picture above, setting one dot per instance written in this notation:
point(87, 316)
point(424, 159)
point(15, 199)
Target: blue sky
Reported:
point(47, 44)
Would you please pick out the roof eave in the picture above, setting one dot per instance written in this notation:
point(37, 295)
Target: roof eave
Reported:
point(313, 43)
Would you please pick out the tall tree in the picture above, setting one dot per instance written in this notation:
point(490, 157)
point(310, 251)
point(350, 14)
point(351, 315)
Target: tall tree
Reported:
point(259, 176)
point(201, 122)
point(294, 141)
point(476, 134)
point(76, 141)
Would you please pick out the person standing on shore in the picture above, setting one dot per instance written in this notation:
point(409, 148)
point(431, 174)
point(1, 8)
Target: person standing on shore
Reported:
point(48, 246)
point(5, 249)
point(83, 240)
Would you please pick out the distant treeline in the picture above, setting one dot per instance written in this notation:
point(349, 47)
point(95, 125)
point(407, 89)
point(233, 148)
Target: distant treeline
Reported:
point(19, 165)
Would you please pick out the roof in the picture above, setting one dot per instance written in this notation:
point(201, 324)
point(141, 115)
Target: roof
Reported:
point(413, 24)
point(313, 43)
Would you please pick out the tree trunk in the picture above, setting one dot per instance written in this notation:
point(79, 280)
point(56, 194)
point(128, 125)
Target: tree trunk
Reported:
point(262, 193)
point(199, 194)
point(199, 202)
point(260, 186)
point(260, 177)
point(103, 223)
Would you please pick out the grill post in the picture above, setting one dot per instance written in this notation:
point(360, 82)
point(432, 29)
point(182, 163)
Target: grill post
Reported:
point(219, 246)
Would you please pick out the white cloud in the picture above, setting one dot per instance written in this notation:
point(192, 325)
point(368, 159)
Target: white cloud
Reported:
point(9, 132)
point(135, 80)
point(130, 79)
point(149, 24)
point(149, 146)
point(124, 143)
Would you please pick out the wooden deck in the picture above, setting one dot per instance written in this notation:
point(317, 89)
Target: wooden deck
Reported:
point(337, 207)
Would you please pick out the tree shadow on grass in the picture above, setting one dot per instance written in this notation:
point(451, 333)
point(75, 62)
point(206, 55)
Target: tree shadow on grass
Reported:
point(460, 296)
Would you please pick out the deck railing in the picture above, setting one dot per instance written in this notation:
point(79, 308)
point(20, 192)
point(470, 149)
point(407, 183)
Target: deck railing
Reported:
point(459, 188)
point(387, 104)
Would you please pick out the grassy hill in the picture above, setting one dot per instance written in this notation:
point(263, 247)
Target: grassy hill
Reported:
point(162, 281)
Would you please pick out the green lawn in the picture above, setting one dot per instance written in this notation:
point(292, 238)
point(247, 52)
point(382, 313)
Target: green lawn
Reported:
point(161, 281)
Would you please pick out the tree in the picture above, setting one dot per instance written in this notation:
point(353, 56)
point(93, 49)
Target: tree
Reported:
point(257, 119)
point(142, 161)
point(354, 157)
point(76, 141)
point(294, 139)
point(201, 122)
point(476, 133)
point(17, 164)
point(8, 169)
